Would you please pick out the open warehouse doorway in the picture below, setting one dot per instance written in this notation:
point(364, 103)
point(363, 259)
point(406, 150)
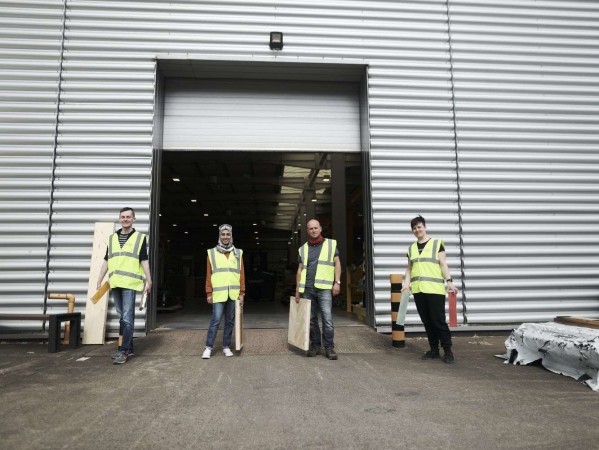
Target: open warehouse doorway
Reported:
point(267, 197)
point(263, 146)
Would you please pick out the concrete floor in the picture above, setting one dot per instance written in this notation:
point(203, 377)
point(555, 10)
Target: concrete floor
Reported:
point(196, 314)
point(270, 396)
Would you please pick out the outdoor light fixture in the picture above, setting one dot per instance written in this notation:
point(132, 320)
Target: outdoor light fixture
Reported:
point(193, 200)
point(176, 180)
point(276, 40)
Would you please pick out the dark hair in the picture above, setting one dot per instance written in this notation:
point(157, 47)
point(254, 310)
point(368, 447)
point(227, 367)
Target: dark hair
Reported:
point(127, 208)
point(416, 220)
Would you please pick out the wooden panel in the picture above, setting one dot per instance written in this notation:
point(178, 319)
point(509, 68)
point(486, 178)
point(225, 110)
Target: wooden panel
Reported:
point(100, 292)
point(95, 313)
point(578, 321)
point(299, 323)
point(238, 325)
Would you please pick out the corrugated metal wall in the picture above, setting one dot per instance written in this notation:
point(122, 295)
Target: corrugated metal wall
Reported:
point(106, 120)
point(525, 77)
point(104, 157)
point(412, 146)
point(30, 43)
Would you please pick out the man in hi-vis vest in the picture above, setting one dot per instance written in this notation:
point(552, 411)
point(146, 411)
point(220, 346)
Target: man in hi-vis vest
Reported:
point(319, 279)
point(426, 276)
point(126, 262)
point(225, 284)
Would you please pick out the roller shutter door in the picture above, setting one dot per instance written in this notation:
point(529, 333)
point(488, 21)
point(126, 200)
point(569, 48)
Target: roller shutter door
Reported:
point(204, 114)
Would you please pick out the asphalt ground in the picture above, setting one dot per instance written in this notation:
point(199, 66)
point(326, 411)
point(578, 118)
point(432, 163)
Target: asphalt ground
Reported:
point(271, 396)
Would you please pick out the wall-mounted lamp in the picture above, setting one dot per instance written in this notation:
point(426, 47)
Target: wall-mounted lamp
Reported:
point(276, 40)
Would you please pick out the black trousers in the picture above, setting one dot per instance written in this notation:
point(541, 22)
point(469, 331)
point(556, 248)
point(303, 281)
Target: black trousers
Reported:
point(431, 308)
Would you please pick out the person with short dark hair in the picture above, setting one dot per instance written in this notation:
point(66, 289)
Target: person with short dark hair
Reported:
point(426, 276)
point(318, 279)
point(126, 262)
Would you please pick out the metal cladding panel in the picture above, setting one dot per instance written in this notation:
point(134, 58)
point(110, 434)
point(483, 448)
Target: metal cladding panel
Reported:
point(526, 77)
point(30, 43)
point(413, 157)
point(315, 116)
point(104, 154)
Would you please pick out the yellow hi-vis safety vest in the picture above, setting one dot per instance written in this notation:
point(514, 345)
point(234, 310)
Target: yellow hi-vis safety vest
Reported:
point(426, 274)
point(226, 275)
point(124, 268)
point(325, 270)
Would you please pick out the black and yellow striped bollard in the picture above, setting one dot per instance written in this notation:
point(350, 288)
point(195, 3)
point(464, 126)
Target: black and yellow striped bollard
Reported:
point(398, 336)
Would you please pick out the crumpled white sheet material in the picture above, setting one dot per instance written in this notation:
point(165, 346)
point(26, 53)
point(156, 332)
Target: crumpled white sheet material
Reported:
point(565, 349)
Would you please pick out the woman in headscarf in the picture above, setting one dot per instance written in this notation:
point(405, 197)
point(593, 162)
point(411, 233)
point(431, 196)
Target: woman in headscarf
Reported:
point(225, 284)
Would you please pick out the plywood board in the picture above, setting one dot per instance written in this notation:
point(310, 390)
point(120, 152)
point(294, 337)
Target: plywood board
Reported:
point(94, 326)
point(298, 333)
point(578, 321)
point(238, 325)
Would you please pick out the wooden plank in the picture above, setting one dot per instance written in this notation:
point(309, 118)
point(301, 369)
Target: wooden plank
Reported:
point(238, 326)
point(298, 333)
point(94, 328)
point(348, 286)
point(360, 312)
point(100, 292)
point(578, 321)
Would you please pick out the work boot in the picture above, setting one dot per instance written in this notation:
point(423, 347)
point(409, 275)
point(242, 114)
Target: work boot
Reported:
point(433, 353)
point(448, 357)
point(331, 354)
point(314, 350)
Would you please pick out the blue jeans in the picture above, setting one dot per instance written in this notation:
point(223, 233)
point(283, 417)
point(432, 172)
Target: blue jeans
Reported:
point(322, 299)
point(124, 300)
point(217, 314)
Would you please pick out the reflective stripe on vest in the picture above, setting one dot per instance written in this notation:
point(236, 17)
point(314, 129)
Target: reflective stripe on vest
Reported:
point(124, 268)
point(226, 275)
point(325, 269)
point(426, 274)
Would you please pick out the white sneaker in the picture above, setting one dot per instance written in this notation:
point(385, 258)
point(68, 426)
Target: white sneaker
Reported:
point(227, 351)
point(207, 353)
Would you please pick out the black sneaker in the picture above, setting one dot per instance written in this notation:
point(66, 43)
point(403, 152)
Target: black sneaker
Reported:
point(314, 350)
point(331, 354)
point(431, 354)
point(448, 357)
